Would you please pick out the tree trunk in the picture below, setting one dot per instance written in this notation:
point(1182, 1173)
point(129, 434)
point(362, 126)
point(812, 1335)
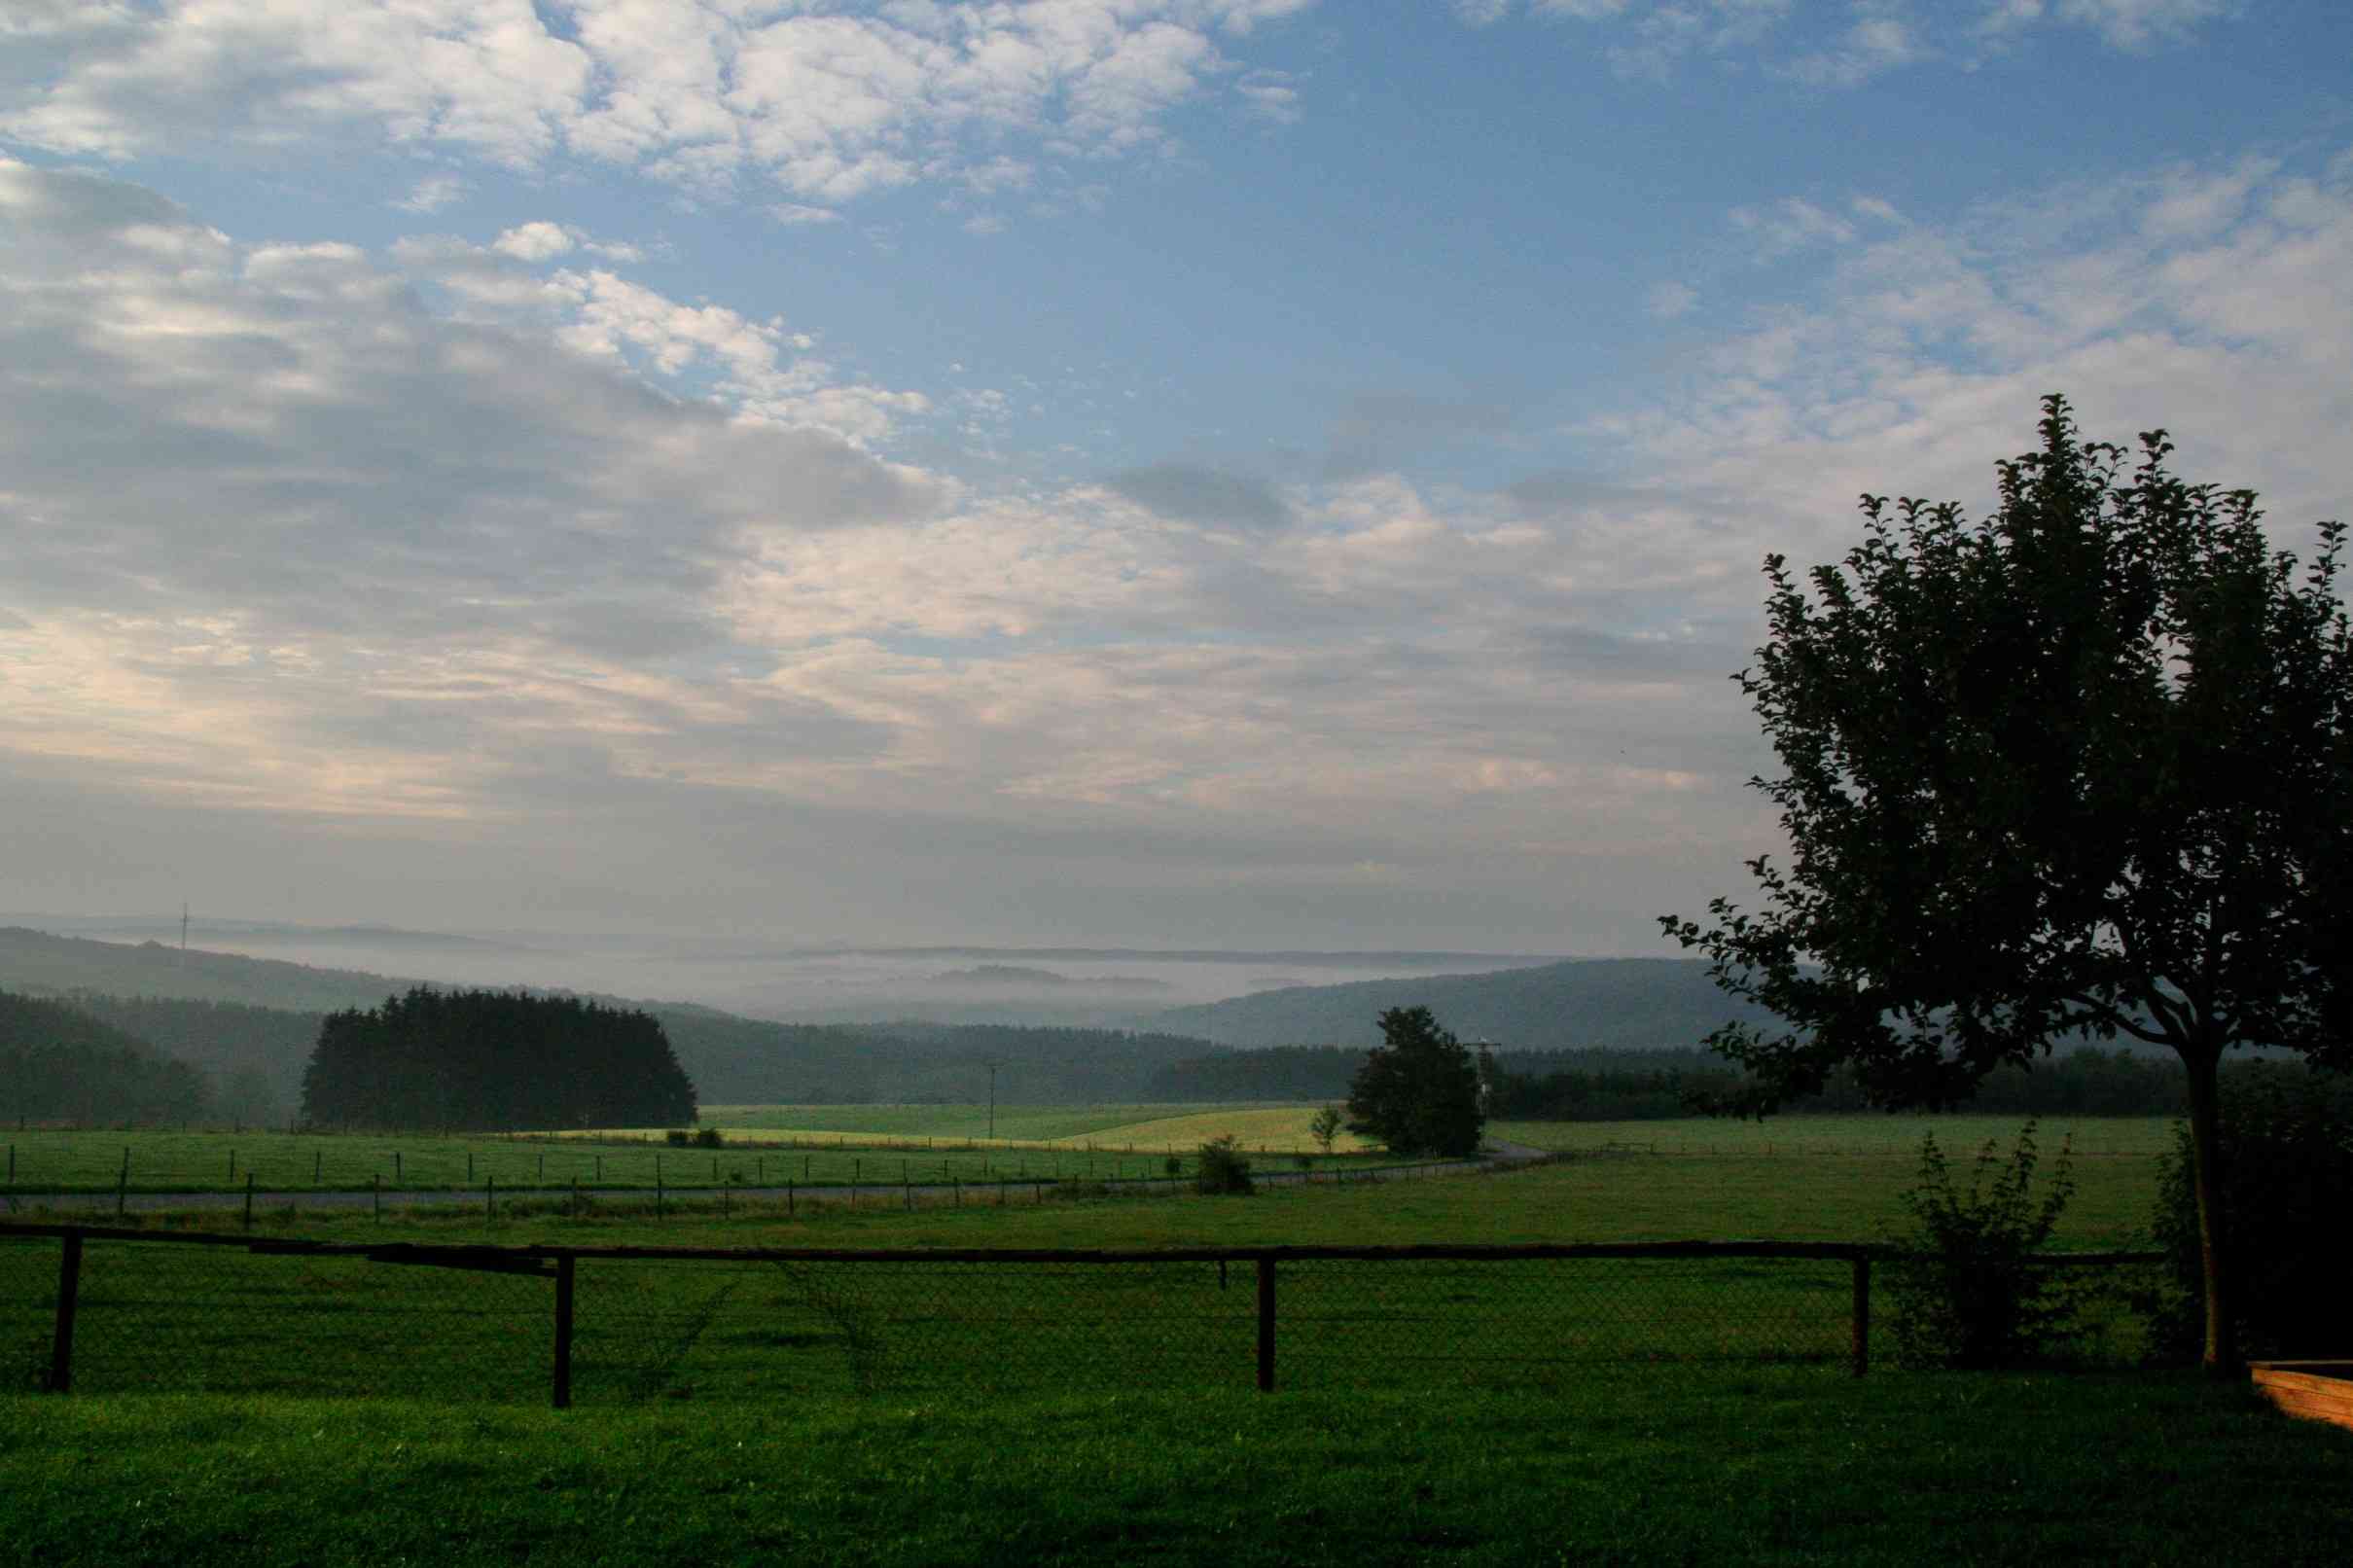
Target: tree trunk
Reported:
point(2206, 1176)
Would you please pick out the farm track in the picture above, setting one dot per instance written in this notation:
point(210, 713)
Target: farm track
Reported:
point(864, 1195)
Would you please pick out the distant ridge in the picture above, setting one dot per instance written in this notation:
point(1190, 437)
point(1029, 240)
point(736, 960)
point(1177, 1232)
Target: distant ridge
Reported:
point(1622, 1003)
point(39, 962)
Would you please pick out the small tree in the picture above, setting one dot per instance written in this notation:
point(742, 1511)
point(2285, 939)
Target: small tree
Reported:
point(1417, 1093)
point(1222, 1168)
point(1325, 1130)
point(1964, 1294)
point(2080, 768)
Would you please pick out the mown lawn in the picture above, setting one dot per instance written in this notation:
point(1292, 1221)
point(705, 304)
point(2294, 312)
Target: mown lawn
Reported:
point(1661, 1466)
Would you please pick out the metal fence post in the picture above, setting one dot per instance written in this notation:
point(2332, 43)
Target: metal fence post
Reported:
point(1862, 1351)
point(70, 1290)
point(1265, 1325)
point(563, 1331)
point(249, 1199)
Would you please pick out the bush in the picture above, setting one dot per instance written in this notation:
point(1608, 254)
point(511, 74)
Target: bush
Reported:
point(707, 1138)
point(1222, 1168)
point(677, 1137)
point(1964, 1294)
point(2287, 1166)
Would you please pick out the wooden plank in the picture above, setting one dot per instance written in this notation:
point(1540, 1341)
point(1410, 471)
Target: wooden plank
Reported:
point(2313, 1394)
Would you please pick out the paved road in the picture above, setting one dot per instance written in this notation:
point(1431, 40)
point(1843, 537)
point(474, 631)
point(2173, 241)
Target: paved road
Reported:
point(870, 1194)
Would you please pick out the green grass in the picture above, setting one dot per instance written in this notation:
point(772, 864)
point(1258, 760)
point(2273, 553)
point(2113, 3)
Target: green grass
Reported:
point(728, 1331)
point(1034, 1124)
point(93, 1162)
point(1833, 1135)
point(1665, 1466)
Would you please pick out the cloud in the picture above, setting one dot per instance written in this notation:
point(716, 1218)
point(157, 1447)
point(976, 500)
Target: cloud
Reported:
point(830, 102)
point(1791, 224)
point(794, 215)
point(1207, 496)
point(1669, 299)
point(432, 193)
point(1844, 42)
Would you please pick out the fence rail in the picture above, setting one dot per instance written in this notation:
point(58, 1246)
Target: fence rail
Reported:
point(112, 1309)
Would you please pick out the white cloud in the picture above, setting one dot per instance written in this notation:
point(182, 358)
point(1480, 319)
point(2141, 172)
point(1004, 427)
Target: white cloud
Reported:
point(432, 193)
point(794, 215)
point(830, 101)
point(1792, 224)
point(534, 241)
point(1844, 42)
point(1667, 301)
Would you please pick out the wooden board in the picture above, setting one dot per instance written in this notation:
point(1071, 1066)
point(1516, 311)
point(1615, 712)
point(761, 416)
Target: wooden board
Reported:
point(2316, 1390)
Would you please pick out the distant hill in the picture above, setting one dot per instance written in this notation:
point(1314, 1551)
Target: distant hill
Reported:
point(1619, 1004)
point(59, 1064)
point(38, 962)
point(229, 1014)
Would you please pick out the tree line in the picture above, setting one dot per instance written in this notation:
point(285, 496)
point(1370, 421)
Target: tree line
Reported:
point(1647, 1085)
point(57, 1064)
point(433, 1059)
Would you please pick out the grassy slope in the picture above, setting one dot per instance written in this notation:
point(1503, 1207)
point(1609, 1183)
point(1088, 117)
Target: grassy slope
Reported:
point(1657, 1467)
point(1661, 1465)
point(1628, 1196)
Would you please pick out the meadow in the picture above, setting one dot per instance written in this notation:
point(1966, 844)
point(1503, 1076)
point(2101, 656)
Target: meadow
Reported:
point(761, 1146)
point(910, 1413)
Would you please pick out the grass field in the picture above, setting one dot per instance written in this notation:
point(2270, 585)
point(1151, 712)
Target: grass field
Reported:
point(1959, 1135)
point(763, 1146)
point(1665, 1466)
point(733, 1411)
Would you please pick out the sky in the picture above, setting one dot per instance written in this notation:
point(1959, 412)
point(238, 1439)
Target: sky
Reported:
point(1190, 473)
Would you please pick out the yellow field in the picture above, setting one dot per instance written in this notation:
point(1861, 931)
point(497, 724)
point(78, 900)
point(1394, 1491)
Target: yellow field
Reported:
point(1280, 1128)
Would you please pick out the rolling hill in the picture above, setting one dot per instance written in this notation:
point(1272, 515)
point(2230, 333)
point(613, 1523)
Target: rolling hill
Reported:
point(1623, 1004)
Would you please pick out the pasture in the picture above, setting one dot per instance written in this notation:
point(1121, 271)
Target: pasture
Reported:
point(1648, 1413)
point(1661, 1465)
point(763, 1146)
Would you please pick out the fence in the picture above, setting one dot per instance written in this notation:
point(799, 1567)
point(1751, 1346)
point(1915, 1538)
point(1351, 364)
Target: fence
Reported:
point(100, 1310)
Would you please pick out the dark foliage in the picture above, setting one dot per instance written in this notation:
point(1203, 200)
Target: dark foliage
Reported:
point(2079, 767)
point(1418, 1094)
point(230, 1040)
point(1965, 1297)
point(59, 1064)
point(1223, 1170)
point(2287, 1159)
point(485, 1059)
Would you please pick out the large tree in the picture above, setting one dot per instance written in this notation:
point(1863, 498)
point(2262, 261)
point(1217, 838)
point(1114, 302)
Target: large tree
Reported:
point(1418, 1092)
point(2083, 766)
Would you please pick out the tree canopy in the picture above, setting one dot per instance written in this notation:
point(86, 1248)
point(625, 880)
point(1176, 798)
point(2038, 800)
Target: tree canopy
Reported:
point(2079, 767)
point(493, 1059)
point(59, 1064)
point(1418, 1092)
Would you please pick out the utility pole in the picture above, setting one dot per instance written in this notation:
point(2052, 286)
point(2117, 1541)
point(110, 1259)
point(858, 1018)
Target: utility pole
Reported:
point(992, 1063)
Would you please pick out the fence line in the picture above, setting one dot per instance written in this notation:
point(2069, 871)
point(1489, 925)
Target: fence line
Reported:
point(468, 1320)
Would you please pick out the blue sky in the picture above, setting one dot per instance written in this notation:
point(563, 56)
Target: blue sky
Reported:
point(1145, 471)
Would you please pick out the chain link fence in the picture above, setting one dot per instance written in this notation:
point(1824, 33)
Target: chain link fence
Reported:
point(100, 1310)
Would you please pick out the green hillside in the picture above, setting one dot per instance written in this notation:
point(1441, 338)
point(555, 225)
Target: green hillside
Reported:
point(37, 962)
point(1621, 1003)
point(232, 1015)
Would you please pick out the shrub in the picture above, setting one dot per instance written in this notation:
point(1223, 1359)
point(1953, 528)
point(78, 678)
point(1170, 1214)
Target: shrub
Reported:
point(1964, 1294)
point(707, 1138)
point(2287, 1166)
point(1222, 1168)
point(677, 1137)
